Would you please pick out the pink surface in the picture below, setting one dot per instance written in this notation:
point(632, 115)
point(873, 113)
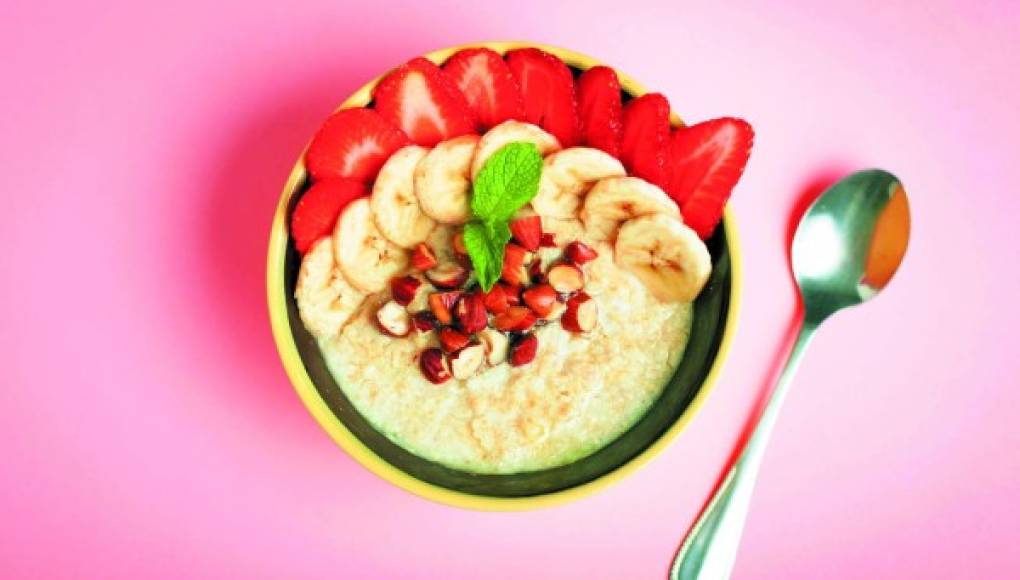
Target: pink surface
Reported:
point(148, 429)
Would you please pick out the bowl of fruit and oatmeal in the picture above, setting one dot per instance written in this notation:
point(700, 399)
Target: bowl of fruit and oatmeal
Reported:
point(502, 275)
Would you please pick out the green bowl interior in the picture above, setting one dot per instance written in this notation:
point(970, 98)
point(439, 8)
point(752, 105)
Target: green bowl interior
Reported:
point(708, 324)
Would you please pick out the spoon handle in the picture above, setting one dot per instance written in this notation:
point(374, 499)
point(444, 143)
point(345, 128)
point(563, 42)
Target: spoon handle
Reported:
point(710, 549)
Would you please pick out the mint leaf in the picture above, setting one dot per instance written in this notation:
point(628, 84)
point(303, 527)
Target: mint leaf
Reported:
point(507, 181)
point(485, 242)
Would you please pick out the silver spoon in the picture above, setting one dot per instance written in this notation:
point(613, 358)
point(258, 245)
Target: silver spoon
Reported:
point(847, 247)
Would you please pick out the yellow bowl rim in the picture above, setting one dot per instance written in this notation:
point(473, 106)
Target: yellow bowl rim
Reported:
point(306, 390)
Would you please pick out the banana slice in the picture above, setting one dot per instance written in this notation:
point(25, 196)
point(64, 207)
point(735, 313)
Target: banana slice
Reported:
point(667, 256)
point(508, 132)
point(617, 199)
point(394, 204)
point(441, 180)
point(325, 300)
point(367, 259)
point(567, 176)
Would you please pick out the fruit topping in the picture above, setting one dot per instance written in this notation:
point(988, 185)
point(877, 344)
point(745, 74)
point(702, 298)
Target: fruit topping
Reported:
point(452, 340)
point(582, 314)
point(511, 132)
point(441, 180)
point(707, 160)
point(565, 278)
point(496, 300)
point(515, 261)
point(535, 273)
point(548, 240)
point(557, 310)
point(423, 258)
point(395, 206)
point(496, 345)
point(600, 110)
point(404, 289)
point(580, 253)
point(424, 321)
point(441, 304)
point(527, 232)
point(617, 199)
point(393, 319)
point(316, 212)
point(523, 350)
point(485, 81)
point(568, 175)
point(449, 275)
point(645, 142)
point(419, 99)
point(353, 143)
point(547, 86)
point(466, 362)
point(513, 294)
point(470, 313)
point(365, 257)
point(666, 255)
point(541, 299)
point(433, 366)
point(515, 319)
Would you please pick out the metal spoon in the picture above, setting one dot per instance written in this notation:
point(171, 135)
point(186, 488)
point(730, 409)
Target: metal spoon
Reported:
point(847, 247)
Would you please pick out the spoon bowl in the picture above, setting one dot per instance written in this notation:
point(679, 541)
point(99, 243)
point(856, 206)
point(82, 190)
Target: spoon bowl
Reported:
point(850, 242)
point(847, 247)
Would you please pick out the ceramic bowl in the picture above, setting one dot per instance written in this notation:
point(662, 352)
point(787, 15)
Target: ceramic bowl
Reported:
point(715, 312)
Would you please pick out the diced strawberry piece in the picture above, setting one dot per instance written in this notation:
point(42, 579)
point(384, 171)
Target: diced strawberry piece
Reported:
point(515, 319)
point(515, 270)
point(523, 350)
point(496, 300)
point(527, 231)
point(600, 110)
point(548, 240)
point(418, 98)
point(547, 86)
point(492, 93)
point(580, 253)
point(353, 143)
point(423, 258)
point(316, 212)
point(645, 143)
point(707, 160)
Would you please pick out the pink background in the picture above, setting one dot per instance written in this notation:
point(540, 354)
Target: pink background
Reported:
point(147, 428)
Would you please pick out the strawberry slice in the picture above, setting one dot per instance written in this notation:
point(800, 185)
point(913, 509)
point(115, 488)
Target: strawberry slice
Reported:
point(707, 160)
point(418, 98)
point(645, 144)
point(600, 109)
point(316, 212)
point(527, 231)
point(485, 80)
point(547, 86)
point(352, 143)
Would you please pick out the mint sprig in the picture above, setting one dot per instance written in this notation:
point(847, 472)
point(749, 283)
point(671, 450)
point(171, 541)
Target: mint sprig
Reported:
point(507, 182)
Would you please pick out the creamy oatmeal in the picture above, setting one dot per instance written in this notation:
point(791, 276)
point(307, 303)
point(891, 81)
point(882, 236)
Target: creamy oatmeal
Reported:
point(579, 393)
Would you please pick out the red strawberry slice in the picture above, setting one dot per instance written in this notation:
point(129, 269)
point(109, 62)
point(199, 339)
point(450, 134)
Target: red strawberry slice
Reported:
point(547, 86)
point(600, 109)
point(418, 98)
point(484, 79)
point(645, 143)
point(352, 143)
point(707, 160)
point(527, 231)
point(316, 212)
